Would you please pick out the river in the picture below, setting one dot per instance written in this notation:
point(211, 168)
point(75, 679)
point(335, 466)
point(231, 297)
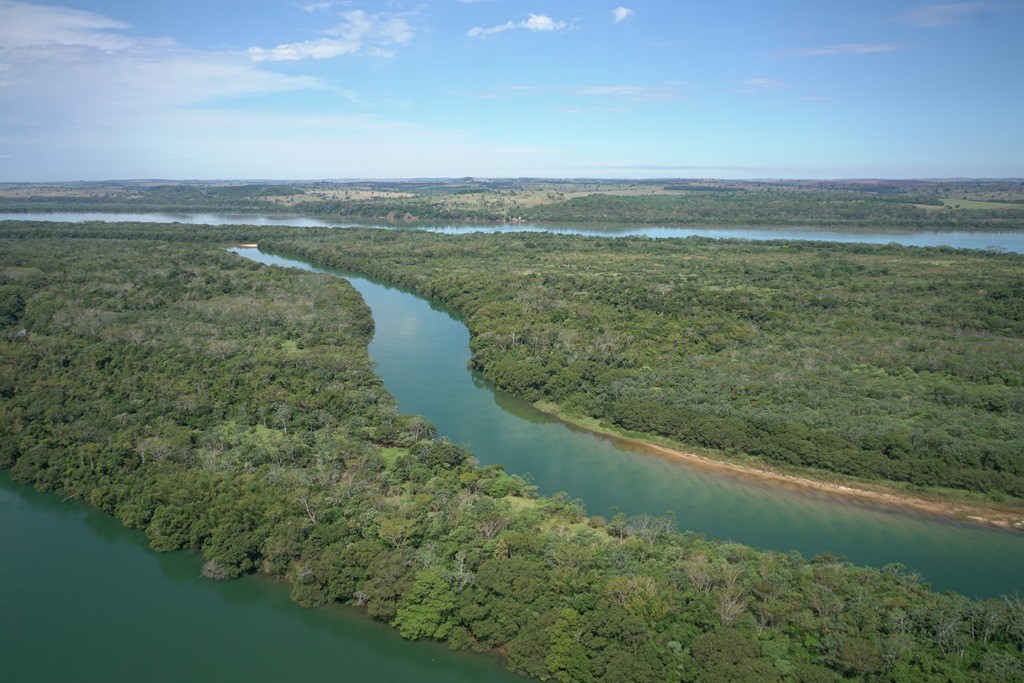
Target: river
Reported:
point(422, 350)
point(1008, 241)
point(84, 598)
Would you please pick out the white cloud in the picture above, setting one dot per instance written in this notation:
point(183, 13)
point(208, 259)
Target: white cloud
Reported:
point(396, 30)
point(358, 33)
point(935, 16)
point(325, 48)
point(319, 6)
point(480, 32)
point(621, 14)
point(541, 22)
point(843, 49)
point(536, 22)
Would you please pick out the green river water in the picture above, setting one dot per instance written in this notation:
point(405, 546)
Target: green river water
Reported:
point(84, 599)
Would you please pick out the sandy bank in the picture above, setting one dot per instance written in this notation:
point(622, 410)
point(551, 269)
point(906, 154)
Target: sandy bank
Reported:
point(1008, 518)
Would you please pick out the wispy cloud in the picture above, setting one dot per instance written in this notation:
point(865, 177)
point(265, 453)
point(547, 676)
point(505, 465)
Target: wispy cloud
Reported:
point(936, 16)
point(324, 48)
point(81, 88)
point(659, 92)
point(620, 14)
point(645, 92)
point(23, 25)
point(843, 49)
point(761, 84)
point(358, 33)
point(63, 64)
point(319, 6)
point(535, 22)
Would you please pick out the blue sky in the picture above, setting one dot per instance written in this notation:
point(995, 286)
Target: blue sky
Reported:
point(93, 89)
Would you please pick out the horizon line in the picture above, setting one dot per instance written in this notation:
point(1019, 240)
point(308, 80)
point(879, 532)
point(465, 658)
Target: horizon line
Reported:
point(411, 179)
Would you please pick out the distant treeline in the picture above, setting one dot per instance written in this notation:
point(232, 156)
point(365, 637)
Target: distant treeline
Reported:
point(884, 204)
point(158, 199)
point(773, 208)
point(231, 408)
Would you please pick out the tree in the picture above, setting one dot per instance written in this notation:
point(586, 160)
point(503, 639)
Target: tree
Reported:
point(428, 607)
point(566, 660)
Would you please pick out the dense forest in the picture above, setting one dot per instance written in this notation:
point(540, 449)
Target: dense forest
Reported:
point(819, 208)
point(232, 409)
point(933, 205)
point(878, 362)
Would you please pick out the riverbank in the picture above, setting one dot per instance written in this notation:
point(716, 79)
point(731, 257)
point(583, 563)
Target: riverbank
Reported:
point(262, 217)
point(881, 494)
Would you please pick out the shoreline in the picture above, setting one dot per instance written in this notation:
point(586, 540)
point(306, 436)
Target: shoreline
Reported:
point(877, 493)
point(417, 223)
point(967, 512)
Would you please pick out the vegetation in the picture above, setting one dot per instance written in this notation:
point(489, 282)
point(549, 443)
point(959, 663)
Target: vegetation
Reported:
point(232, 408)
point(879, 362)
point(934, 205)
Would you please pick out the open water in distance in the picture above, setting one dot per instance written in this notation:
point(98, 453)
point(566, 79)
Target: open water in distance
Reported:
point(422, 350)
point(84, 599)
point(1009, 241)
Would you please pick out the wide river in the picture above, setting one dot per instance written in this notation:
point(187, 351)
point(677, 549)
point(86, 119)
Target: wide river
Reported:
point(84, 599)
point(1009, 241)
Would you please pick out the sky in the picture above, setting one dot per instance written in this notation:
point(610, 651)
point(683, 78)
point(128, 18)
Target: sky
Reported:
point(308, 89)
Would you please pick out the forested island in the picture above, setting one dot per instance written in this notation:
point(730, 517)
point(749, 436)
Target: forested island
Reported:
point(994, 205)
point(232, 409)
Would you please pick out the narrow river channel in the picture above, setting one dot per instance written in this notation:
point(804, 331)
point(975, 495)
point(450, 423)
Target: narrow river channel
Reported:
point(422, 349)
